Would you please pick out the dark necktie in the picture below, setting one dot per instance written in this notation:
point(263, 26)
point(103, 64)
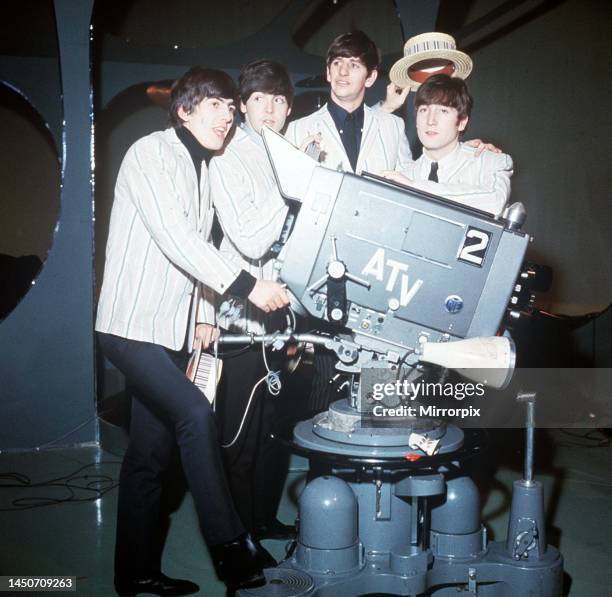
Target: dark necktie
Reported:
point(349, 139)
point(433, 173)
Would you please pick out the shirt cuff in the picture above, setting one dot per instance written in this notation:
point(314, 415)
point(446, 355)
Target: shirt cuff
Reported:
point(242, 285)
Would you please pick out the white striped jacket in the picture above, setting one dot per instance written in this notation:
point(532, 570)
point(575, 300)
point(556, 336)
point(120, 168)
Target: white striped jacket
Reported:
point(251, 212)
point(482, 182)
point(157, 246)
point(384, 145)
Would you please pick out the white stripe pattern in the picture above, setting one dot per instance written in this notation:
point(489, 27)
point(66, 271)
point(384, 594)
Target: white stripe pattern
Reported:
point(157, 246)
point(251, 212)
point(482, 182)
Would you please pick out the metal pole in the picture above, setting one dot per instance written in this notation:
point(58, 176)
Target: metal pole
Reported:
point(529, 398)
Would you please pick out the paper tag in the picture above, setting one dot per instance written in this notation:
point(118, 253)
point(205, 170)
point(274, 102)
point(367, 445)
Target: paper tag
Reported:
point(421, 442)
point(204, 370)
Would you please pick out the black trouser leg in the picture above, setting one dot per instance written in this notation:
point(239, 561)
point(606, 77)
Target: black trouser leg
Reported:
point(271, 465)
point(254, 463)
point(171, 410)
point(322, 392)
point(138, 553)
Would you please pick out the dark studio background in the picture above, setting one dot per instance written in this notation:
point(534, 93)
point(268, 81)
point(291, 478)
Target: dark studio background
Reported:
point(542, 86)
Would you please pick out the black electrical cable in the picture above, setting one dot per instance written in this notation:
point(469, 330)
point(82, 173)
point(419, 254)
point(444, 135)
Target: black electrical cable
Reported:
point(97, 484)
point(402, 362)
point(230, 354)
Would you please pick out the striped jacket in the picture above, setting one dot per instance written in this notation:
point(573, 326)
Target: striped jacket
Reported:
point(157, 246)
point(482, 182)
point(251, 212)
point(384, 145)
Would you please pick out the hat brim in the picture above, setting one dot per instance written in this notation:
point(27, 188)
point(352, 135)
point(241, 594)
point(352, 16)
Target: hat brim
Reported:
point(399, 71)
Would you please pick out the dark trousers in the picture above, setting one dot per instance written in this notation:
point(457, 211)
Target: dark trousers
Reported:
point(256, 465)
point(168, 410)
point(323, 391)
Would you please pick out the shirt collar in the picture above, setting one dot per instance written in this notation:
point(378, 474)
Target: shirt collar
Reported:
point(446, 160)
point(252, 133)
point(339, 114)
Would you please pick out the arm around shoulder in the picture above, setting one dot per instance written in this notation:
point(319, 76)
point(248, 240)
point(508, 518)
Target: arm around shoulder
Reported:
point(499, 173)
point(490, 189)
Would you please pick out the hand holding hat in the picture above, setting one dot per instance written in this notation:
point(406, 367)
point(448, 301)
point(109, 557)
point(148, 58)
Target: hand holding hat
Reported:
point(429, 54)
point(395, 97)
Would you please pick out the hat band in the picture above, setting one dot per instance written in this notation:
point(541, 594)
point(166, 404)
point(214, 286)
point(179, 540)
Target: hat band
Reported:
point(428, 46)
point(421, 71)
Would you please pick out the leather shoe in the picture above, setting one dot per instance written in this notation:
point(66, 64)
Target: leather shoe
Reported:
point(239, 563)
point(274, 529)
point(265, 557)
point(158, 585)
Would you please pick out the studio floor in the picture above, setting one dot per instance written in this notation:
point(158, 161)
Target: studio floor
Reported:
point(46, 531)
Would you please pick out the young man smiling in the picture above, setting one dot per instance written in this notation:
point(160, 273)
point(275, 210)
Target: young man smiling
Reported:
point(250, 208)
point(251, 212)
point(353, 136)
point(448, 167)
point(158, 260)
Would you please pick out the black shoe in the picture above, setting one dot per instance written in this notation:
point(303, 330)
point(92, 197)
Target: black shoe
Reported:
point(265, 557)
point(274, 529)
point(158, 585)
point(239, 563)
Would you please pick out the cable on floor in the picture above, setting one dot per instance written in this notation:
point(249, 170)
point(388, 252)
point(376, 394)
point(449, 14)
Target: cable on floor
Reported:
point(97, 485)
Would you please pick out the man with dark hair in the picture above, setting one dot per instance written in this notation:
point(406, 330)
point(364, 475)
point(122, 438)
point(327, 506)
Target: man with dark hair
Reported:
point(265, 76)
point(444, 90)
point(159, 264)
point(251, 212)
point(447, 167)
point(353, 136)
point(355, 44)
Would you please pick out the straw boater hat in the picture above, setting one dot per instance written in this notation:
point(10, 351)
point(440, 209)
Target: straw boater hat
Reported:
point(429, 54)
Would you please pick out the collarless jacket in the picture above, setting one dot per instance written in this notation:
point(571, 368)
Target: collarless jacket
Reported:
point(251, 212)
point(158, 249)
